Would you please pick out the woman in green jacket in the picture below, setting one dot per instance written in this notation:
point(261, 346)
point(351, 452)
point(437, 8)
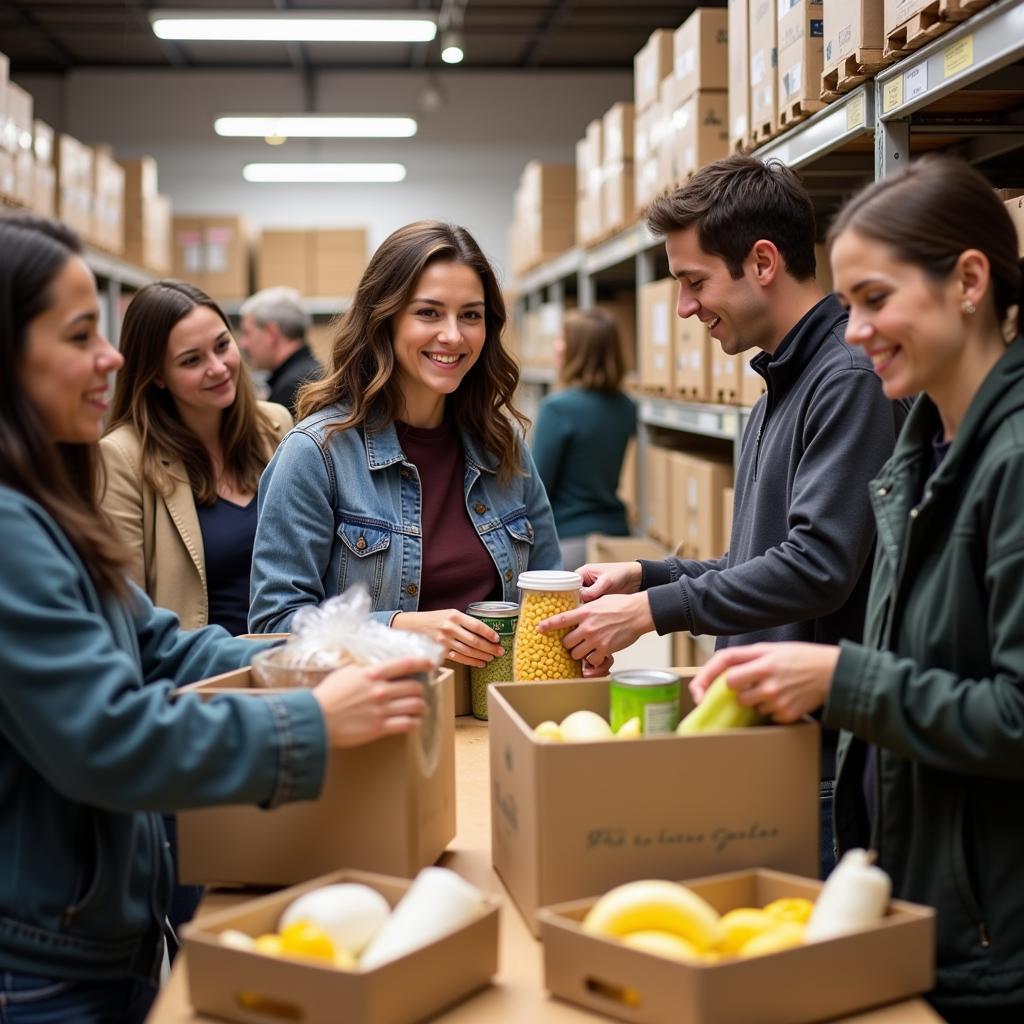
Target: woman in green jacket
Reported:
point(931, 766)
point(92, 745)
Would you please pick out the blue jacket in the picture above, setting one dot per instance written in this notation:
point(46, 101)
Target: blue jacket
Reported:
point(344, 508)
point(92, 748)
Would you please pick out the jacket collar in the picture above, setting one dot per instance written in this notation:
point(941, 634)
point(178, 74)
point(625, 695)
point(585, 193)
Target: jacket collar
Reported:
point(383, 449)
point(801, 344)
point(300, 355)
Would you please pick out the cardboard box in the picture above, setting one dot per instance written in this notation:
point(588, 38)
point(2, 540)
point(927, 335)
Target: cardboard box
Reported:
point(44, 188)
point(237, 985)
point(617, 133)
point(652, 62)
point(627, 490)
point(337, 258)
point(1016, 210)
point(140, 181)
point(657, 315)
point(383, 807)
point(657, 519)
point(108, 184)
point(822, 268)
point(726, 375)
point(6, 135)
point(800, 54)
point(570, 820)
point(462, 702)
point(699, 133)
point(853, 28)
point(7, 173)
point(74, 183)
point(24, 176)
point(700, 51)
point(819, 981)
point(692, 357)
point(602, 548)
point(617, 190)
point(281, 260)
point(697, 490)
point(226, 257)
point(645, 159)
point(763, 66)
point(752, 385)
point(42, 141)
point(19, 117)
point(739, 76)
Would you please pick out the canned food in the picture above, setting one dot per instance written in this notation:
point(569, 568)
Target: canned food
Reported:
point(541, 655)
point(652, 695)
point(501, 616)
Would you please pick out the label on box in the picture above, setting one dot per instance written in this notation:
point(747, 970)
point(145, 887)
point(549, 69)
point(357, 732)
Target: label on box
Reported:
point(958, 57)
point(685, 62)
point(792, 80)
point(855, 115)
point(757, 68)
point(216, 257)
point(659, 323)
point(785, 6)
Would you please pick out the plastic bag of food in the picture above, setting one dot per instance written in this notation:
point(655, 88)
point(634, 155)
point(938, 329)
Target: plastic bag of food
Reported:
point(340, 632)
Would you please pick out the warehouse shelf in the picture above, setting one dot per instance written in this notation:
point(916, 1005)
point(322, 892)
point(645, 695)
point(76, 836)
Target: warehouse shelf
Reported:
point(111, 268)
point(985, 43)
point(561, 267)
point(314, 306)
point(845, 121)
point(623, 248)
point(725, 422)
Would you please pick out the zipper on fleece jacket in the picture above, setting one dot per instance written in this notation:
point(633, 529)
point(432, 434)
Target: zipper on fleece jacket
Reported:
point(764, 422)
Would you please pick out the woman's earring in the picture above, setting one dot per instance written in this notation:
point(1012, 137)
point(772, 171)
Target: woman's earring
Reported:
point(968, 307)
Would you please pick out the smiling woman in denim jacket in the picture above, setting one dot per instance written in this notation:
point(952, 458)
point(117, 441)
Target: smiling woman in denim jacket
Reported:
point(408, 471)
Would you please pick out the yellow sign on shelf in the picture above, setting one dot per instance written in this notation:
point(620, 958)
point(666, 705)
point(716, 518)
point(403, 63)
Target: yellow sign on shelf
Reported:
point(958, 57)
point(855, 117)
point(892, 97)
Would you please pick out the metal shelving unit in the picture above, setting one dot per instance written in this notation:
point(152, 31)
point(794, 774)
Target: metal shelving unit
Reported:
point(113, 275)
point(963, 91)
point(317, 306)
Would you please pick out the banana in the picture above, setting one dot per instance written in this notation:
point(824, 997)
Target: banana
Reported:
point(741, 925)
point(719, 709)
point(666, 944)
point(785, 935)
point(655, 905)
point(790, 908)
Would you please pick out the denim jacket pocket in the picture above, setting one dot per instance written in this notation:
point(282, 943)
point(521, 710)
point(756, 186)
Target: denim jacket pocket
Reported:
point(361, 540)
point(520, 529)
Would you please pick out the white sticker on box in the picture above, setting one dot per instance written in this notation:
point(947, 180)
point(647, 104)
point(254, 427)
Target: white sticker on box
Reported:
point(659, 323)
point(216, 257)
point(685, 63)
point(757, 68)
point(695, 359)
point(192, 257)
point(792, 79)
point(691, 494)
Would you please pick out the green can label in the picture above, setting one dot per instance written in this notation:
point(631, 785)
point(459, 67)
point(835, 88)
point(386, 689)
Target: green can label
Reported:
point(651, 695)
point(502, 617)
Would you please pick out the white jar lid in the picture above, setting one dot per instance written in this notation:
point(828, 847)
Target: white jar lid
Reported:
point(550, 579)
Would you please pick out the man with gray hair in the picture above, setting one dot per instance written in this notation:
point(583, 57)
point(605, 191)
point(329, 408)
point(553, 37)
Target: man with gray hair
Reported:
point(274, 326)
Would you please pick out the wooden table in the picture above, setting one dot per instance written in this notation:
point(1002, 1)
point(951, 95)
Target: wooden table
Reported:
point(518, 995)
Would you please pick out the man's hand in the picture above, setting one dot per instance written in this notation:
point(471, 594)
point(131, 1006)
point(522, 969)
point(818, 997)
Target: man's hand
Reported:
point(784, 681)
point(601, 578)
point(599, 629)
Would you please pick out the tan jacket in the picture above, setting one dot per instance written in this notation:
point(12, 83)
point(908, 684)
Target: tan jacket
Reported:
point(163, 534)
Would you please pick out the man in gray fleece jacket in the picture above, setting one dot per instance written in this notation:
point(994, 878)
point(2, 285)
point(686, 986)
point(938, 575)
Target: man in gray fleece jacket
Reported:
point(740, 241)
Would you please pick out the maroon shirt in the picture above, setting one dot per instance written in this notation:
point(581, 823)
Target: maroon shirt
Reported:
point(456, 567)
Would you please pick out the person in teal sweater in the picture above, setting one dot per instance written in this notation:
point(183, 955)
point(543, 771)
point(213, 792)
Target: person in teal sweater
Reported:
point(93, 742)
point(581, 434)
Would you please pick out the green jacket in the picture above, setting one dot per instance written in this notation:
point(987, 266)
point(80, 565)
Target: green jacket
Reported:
point(938, 689)
point(92, 747)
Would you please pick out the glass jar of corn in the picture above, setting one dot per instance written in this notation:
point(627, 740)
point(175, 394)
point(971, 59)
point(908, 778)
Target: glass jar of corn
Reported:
point(541, 655)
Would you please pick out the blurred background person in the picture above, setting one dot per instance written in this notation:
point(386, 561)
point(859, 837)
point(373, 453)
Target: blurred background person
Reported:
point(581, 433)
point(273, 335)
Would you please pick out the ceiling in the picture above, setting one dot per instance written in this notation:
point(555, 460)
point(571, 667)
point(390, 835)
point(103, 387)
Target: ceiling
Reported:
point(61, 35)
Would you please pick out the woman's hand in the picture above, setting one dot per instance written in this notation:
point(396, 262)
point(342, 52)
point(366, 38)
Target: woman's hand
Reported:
point(364, 702)
point(464, 639)
point(602, 668)
point(600, 578)
point(784, 681)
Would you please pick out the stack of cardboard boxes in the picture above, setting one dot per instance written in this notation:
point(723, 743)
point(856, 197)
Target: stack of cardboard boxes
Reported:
point(739, 76)
point(108, 180)
point(801, 53)
point(147, 217)
point(651, 65)
point(73, 162)
point(213, 252)
point(44, 174)
point(617, 188)
point(322, 263)
point(853, 45)
point(19, 143)
point(589, 153)
point(763, 56)
point(544, 224)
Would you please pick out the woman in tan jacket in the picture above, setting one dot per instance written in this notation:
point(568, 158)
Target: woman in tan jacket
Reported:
point(182, 457)
point(183, 454)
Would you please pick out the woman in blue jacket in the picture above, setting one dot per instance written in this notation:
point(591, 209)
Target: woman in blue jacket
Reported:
point(930, 763)
point(92, 745)
point(407, 471)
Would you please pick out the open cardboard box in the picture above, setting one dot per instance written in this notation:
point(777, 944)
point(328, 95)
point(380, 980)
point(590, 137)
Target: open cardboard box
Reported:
point(385, 806)
point(574, 819)
point(891, 960)
point(239, 985)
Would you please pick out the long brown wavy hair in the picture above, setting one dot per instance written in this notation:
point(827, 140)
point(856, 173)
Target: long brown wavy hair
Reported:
point(362, 376)
point(245, 432)
point(62, 478)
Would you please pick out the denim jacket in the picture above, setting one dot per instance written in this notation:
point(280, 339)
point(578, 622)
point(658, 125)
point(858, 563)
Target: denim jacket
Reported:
point(345, 508)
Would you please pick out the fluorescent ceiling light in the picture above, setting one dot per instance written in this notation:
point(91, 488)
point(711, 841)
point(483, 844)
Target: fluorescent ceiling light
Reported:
point(324, 172)
point(313, 126)
point(294, 26)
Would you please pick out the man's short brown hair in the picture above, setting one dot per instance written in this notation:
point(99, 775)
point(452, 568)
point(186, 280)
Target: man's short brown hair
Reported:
point(736, 201)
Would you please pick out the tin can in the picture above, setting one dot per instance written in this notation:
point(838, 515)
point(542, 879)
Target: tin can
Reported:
point(652, 695)
point(502, 617)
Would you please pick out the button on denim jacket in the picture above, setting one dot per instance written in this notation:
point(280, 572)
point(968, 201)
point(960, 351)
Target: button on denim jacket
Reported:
point(345, 508)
